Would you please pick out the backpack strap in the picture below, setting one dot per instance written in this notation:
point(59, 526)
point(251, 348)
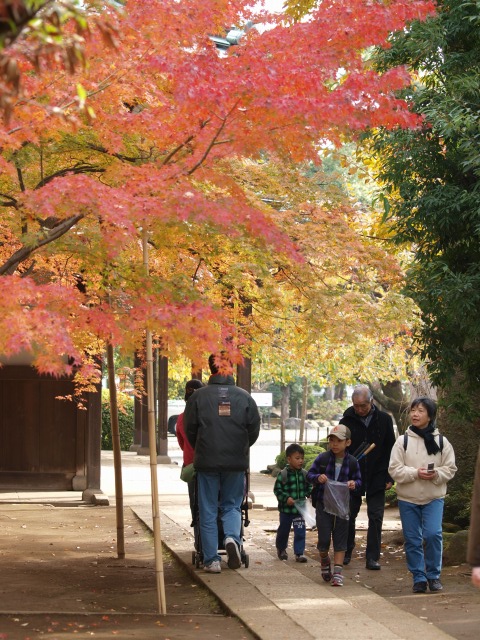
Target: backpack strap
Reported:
point(353, 467)
point(284, 474)
point(440, 441)
point(325, 456)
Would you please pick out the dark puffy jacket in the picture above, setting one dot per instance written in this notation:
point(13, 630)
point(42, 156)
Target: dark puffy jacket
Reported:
point(221, 422)
point(374, 466)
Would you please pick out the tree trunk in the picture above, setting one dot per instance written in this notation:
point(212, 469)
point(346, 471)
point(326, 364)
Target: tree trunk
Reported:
point(303, 415)
point(391, 397)
point(339, 391)
point(459, 421)
point(284, 414)
point(329, 393)
point(117, 455)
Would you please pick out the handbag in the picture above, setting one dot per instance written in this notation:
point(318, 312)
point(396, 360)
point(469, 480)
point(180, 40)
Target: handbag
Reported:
point(187, 474)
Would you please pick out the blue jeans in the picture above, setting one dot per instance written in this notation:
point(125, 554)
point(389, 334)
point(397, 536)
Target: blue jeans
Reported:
point(222, 490)
point(423, 523)
point(283, 531)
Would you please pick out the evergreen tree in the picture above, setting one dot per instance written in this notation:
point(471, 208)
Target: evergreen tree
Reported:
point(431, 183)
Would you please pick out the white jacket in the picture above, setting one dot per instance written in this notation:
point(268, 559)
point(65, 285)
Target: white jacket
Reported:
point(404, 466)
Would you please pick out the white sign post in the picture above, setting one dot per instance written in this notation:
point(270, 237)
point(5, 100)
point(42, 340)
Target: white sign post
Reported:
point(262, 399)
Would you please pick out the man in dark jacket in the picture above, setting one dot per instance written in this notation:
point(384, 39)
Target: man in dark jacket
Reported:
point(369, 425)
point(221, 423)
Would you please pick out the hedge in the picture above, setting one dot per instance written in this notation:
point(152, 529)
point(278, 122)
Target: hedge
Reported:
point(125, 421)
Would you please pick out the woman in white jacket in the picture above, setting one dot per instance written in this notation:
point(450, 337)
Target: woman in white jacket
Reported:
point(421, 463)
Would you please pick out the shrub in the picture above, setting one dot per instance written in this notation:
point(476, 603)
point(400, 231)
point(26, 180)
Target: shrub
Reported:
point(125, 421)
point(391, 497)
point(311, 452)
point(457, 505)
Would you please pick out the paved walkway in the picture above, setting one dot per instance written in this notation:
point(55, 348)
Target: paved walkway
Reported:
point(275, 600)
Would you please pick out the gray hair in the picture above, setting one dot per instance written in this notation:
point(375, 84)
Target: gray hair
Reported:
point(362, 390)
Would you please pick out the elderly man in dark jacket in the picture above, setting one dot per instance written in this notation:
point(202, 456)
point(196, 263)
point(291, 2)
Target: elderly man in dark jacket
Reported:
point(221, 423)
point(369, 425)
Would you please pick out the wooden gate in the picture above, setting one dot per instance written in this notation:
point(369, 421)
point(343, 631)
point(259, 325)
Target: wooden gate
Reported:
point(46, 443)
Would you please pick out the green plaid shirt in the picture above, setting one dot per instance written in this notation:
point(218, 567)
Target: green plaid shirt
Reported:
point(296, 487)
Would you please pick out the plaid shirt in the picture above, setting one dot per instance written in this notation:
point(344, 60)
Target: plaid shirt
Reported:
point(296, 487)
point(345, 474)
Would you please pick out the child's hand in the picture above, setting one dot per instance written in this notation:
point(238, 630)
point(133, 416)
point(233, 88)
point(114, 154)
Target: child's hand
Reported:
point(322, 479)
point(290, 501)
point(351, 484)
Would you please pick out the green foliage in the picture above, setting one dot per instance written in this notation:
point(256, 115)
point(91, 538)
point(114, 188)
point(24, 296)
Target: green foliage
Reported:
point(311, 452)
point(391, 497)
point(125, 421)
point(430, 178)
point(457, 505)
point(328, 409)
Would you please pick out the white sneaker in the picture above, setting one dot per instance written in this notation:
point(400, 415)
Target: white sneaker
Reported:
point(213, 567)
point(233, 554)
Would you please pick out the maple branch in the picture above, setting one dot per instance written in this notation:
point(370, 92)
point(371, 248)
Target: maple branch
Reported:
point(213, 140)
point(194, 277)
point(9, 201)
point(78, 168)
point(119, 156)
point(25, 252)
point(17, 18)
point(167, 159)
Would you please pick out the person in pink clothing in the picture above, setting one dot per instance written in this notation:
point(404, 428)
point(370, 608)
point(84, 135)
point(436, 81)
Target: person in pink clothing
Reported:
point(185, 446)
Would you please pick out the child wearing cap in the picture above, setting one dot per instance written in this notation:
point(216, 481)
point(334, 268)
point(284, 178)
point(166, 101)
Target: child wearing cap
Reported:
point(336, 464)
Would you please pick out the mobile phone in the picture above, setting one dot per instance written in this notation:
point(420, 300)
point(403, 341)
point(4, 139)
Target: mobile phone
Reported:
point(430, 467)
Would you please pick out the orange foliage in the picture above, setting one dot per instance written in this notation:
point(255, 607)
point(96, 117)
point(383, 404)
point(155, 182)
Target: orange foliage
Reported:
point(140, 138)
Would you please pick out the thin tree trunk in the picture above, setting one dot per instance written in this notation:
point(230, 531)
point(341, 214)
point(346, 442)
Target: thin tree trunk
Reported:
point(117, 455)
point(157, 539)
point(303, 415)
point(284, 414)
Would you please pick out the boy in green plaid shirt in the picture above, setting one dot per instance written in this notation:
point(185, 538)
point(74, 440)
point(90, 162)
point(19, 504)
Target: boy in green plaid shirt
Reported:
point(291, 484)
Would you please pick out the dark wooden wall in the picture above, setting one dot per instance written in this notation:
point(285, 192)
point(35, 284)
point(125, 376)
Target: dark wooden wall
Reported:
point(45, 442)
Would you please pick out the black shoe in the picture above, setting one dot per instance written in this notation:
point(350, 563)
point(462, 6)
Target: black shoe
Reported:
point(419, 587)
point(282, 555)
point(435, 585)
point(373, 565)
point(347, 559)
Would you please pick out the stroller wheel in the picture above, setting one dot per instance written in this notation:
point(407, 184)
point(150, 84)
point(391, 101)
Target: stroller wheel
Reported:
point(246, 561)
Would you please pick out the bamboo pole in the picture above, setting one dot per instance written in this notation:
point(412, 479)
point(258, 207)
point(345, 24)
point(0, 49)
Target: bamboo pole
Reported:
point(117, 455)
point(157, 540)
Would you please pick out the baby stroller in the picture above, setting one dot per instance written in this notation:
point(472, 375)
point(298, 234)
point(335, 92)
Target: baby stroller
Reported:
point(197, 554)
